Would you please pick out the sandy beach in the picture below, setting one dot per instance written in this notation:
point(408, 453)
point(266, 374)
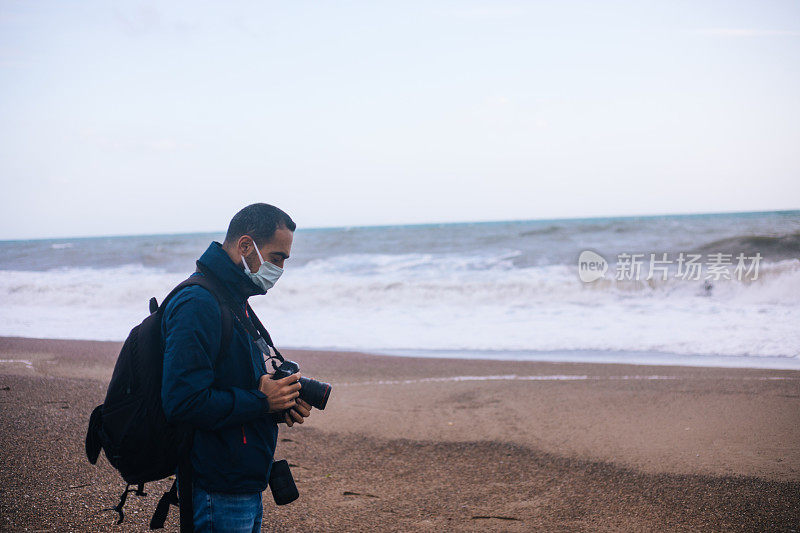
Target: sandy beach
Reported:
point(412, 444)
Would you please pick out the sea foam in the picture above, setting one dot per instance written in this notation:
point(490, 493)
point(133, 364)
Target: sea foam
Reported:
point(496, 288)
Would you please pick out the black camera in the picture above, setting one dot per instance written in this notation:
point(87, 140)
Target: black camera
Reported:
point(313, 392)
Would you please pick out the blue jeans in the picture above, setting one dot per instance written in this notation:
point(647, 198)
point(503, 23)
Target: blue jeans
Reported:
point(221, 512)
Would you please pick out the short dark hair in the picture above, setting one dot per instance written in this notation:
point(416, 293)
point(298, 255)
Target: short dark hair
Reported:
point(259, 221)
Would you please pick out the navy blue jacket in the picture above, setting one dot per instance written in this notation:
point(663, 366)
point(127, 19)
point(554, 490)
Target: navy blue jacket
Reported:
point(235, 435)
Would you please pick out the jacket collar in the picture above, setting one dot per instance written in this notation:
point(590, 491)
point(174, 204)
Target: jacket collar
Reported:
point(232, 275)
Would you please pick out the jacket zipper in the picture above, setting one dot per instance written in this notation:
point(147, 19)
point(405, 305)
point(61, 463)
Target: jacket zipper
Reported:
point(244, 437)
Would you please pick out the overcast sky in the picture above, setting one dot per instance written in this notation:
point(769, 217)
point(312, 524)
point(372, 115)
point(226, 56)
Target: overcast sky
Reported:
point(137, 117)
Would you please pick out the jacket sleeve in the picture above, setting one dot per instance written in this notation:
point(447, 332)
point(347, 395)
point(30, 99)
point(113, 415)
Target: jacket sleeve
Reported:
point(192, 332)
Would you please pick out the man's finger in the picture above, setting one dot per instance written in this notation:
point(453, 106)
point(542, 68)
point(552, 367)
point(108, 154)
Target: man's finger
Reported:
point(302, 411)
point(289, 379)
point(290, 388)
point(284, 403)
point(304, 404)
point(287, 398)
point(297, 417)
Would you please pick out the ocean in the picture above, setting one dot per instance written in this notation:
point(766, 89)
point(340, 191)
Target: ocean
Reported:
point(491, 290)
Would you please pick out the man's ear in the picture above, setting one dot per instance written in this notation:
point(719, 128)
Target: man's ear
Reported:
point(244, 245)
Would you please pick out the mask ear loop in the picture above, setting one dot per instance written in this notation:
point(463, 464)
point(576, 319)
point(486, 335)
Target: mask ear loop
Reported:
point(258, 252)
point(246, 267)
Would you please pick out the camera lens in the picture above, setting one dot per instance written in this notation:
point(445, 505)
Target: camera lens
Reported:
point(314, 392)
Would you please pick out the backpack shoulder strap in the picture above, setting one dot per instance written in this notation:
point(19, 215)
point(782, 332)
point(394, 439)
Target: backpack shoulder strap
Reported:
point(224, 308)
point(225, 311)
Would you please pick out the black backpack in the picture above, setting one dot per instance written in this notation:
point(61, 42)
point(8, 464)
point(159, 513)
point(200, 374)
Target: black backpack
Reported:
point(130, 425)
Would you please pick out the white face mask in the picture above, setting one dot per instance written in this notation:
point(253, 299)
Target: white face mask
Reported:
point(267, 273)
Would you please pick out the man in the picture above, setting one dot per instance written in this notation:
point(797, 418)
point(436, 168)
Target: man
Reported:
point(224, 392)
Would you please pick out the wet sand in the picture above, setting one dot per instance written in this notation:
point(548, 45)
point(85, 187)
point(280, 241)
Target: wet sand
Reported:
point(428, 444)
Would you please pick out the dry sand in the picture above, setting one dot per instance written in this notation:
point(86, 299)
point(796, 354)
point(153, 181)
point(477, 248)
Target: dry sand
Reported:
point(405, 444)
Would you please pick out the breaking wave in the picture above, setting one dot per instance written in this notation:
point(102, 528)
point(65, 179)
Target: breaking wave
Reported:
point(773, 248)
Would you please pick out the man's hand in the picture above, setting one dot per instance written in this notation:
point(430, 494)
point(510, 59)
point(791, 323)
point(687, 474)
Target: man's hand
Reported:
point(281, 393)
point(297, 413)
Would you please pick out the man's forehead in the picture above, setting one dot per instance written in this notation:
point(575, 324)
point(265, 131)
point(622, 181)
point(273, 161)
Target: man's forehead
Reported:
point(281, 240)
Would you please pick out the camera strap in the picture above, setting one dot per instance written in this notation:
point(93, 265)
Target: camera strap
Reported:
point(264, 333)
point(246, 316)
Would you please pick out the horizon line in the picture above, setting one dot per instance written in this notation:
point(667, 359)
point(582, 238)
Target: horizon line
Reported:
point(439, 223)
